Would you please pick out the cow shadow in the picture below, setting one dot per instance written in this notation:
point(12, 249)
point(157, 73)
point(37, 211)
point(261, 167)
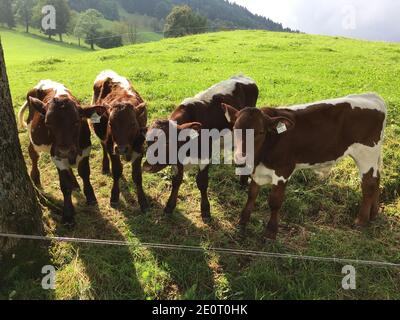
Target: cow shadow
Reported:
point(110, 269)
point(187, 272)
point(308, 199)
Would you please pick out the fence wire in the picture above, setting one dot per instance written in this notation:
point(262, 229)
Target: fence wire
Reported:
point(174, 247)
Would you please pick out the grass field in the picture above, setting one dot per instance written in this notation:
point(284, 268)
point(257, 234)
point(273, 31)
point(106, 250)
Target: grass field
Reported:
point(317, 215)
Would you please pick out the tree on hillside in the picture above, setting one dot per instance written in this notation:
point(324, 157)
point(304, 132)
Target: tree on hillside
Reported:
point(6, 13)
point(183, 21)
point(88, 26)
point(24, 10)
point(19, 208)
point(63, 16)
point(108, 39)
point(108, 8)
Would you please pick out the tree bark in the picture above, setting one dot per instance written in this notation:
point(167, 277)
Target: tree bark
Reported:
point(20, 211)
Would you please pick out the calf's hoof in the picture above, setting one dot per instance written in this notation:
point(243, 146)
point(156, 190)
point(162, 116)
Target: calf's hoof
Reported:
point(144, 207)
point(92, 203)
point(169, 210)
point(360, 224)
point(242, 228)
point(244, 182)
point(270, 235)
point(207, 219)
point(68, 222)
point(114, 204)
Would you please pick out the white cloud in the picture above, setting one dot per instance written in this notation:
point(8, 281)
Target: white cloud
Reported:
point(373, 19)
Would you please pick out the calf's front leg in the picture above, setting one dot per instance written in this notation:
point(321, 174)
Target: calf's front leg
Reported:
point(138, 181)
point(35, 173)
point(275, 203)
point(176, 184)
point(254, 190)
point(106, 162)
point(116, 173)
point(66, 185)
point(202, 184)
point(84, 173)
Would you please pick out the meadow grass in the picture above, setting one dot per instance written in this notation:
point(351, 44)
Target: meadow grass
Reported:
point(317, 215)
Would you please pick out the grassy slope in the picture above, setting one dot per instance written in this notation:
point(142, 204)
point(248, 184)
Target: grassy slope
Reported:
point(317, 216)
point(21, 48)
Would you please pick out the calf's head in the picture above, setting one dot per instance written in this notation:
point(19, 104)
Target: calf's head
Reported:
point(262, 127)
point(163, 136)
point(126, 127)
point(63, 119)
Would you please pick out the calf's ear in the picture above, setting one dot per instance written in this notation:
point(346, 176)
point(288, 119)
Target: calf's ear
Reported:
point(141, 114)
point(38, 105)
point(192, 125)
point(279, 125)
point(231, 113)
point(90, 111)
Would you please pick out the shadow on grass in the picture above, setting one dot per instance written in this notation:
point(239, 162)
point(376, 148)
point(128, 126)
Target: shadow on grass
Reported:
point(110, 269)
point(188, 272)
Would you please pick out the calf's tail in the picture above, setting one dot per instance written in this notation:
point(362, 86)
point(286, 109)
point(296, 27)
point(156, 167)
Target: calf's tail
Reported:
point(21, 113)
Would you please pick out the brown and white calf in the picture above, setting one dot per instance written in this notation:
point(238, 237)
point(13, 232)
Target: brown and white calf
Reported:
point(315, 136)
point(58, 125)
point(121, 129)
point(202, 112)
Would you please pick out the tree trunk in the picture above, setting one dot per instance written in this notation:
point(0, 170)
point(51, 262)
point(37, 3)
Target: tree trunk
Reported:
point(19, 208)
point(92, 45)
point(61, 38)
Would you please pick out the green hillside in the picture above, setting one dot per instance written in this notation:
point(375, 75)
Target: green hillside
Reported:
point(21, 48)
point(317, 216)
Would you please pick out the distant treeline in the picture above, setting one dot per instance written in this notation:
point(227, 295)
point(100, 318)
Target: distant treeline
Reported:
point(87, 19)
point(221, 13)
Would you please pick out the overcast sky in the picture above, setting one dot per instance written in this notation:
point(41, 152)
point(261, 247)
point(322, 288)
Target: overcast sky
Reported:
point(367, 19)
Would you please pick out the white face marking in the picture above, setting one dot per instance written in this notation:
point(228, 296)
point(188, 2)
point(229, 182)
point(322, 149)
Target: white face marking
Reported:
point(63, 164)
point(59, 89)
point(364, 101)
point(225, 88)
point(116, 78)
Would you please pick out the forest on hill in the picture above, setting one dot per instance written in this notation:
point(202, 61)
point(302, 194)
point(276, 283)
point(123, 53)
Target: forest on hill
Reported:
point(220, 13)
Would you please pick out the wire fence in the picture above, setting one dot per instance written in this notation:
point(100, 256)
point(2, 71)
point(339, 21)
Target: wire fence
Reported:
point(199, 249)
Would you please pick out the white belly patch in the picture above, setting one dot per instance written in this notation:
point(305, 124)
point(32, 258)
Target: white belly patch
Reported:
point(262, 176)
point(366, 158)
